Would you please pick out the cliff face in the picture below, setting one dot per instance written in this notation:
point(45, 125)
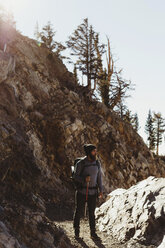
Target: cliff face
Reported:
point(45, 118)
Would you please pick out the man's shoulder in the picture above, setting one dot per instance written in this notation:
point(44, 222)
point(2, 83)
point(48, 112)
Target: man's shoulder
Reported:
point(81, 160)
point(94, 163)
point(84, 160)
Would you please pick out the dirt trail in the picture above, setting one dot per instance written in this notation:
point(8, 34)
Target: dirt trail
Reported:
point(62, 215)
point(86, 241)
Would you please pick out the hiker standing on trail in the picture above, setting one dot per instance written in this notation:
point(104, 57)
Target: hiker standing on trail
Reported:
point(88, 173)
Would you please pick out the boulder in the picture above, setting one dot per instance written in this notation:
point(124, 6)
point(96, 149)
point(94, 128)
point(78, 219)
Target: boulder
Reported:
point(137, 213)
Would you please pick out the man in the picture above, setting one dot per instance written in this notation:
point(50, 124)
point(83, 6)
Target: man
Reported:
point(91, 174)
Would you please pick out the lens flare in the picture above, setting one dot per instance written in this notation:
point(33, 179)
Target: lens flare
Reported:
point(12, 5)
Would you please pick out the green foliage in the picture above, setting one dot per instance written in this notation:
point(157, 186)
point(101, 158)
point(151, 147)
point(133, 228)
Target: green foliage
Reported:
point(83, 45)
point(118, 89)
point(150, 131)
point(128, 117)
point(47, 38)
point(135, 122)
point(104, 88)
point(103, 82)
point(155, 127)
point(159, 122)
point(111, 86)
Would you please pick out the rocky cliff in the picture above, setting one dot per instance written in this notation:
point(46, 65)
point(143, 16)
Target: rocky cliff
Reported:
point(45, 118)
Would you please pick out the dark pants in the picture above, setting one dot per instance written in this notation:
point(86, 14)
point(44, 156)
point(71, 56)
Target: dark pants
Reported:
point(79, 210)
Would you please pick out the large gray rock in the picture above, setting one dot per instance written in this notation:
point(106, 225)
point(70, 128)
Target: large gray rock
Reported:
point(137, 213)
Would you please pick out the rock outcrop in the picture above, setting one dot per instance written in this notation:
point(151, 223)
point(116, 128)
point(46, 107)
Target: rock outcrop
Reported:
point(137, 213)
point(23, 228)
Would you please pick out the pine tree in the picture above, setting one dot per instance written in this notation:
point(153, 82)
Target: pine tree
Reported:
point(135, 122)
point(104, 75)
point(150, 130)
point(103, 87)
point(159, 122)
point(119, 89)
point(47, 37)
point(82, 44)
point(111, 86)
point(128, 117)
point(121, 109)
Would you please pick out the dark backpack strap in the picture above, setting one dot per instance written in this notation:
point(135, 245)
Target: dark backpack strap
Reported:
point(82, 161)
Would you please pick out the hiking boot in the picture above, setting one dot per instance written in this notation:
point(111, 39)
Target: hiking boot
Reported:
point(94, 236)
point(76, 233)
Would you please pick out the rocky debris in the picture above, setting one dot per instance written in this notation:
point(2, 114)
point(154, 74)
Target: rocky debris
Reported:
point(137, 213)
point(6, 239)
point(20, 227)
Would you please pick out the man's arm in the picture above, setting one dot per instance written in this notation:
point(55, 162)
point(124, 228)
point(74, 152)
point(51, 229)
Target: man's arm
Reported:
point(99, 178)
point(78, 169)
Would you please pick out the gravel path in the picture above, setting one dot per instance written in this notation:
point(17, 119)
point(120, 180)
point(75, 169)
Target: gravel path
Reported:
point(107, 241)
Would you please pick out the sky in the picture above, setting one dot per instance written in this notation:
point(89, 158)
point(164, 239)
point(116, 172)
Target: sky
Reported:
point(136, 29)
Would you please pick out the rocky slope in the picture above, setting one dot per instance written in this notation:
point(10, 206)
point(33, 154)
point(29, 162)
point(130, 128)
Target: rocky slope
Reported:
point(45, 118)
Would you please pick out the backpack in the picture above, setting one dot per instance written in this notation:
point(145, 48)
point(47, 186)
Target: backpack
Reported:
point(77, 185)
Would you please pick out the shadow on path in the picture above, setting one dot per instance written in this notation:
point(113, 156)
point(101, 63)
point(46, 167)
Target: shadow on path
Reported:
point(99, 244)
point(84, 245)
